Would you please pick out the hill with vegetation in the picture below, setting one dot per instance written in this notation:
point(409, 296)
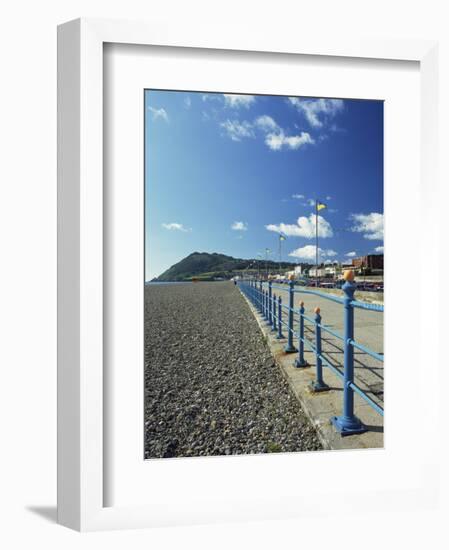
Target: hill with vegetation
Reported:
point(209, 267)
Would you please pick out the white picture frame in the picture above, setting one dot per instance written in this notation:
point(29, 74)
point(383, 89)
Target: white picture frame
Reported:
point(81, 408)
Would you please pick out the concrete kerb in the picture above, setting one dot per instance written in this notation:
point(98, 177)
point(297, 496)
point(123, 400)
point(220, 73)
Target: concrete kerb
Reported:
point(320, 407)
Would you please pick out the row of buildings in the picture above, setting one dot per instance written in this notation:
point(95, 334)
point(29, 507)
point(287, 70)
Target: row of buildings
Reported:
point(372, 264)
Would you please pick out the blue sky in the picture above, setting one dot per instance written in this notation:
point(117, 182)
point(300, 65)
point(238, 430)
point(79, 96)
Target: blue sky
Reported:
point(227, 173)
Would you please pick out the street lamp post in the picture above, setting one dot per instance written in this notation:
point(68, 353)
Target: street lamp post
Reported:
point(267, 250)
point(259, 255)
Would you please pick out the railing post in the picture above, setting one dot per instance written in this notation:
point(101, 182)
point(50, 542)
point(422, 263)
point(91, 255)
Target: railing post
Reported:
point(348, 423)
point(318, 384)
point(290, 348)
point(300, 362)
point(279, 335)
point(265, 304)
point(267, 307)
point(273, 313)
point(260, 298)
point(270, 303)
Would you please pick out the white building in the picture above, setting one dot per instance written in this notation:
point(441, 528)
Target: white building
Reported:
point(296, 272)
point(332, 270)
point(314, 272)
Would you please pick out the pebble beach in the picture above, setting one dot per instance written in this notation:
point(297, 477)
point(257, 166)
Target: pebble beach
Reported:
point(211, 384)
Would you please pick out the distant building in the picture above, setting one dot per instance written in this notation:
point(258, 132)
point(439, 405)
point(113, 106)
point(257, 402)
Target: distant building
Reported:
point(332, 270)
point(314, 272)
point(371, 261)
point(296, 272)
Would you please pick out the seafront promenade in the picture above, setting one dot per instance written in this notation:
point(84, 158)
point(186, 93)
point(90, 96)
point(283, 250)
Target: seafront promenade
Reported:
point(212, 386)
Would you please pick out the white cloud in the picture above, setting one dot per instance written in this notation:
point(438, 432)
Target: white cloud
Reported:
point(328, 198)
point(351, 254)
point(304, 227)
point(175, 227)
point(317, 111)
point(379, 249)
point(237, 100)
point(275, 137)
point(212, 97)
point(187, 102)
point(311, 202)
point(308, 252)
point(239, 226)
point(159, 113)
point(371, 225)
point(266, 123)
point(277, 140)
point(237, 130)
point(296, 196)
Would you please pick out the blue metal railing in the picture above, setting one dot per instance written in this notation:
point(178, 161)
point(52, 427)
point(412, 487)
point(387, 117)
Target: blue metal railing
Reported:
point(272, 310)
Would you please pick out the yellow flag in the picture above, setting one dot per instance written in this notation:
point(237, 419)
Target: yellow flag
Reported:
point(320, 206)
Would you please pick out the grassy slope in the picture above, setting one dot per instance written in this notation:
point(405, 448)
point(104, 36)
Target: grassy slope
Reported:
point(203, 265)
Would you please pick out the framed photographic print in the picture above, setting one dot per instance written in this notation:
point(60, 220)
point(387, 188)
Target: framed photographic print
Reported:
point(219, 168)
point(223, 207)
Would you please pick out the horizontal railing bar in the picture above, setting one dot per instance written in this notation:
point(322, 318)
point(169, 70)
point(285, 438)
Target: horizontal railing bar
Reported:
point(332, 367)
point(327, 329)
point(363, 395)
point(321, 295)
point(309, 343)
point(366, 350)
point(365, 305)
point(309, 319)
point(314, 292)
point(355, 303)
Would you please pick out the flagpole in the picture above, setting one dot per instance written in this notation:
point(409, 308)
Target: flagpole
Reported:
point(316, 241)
